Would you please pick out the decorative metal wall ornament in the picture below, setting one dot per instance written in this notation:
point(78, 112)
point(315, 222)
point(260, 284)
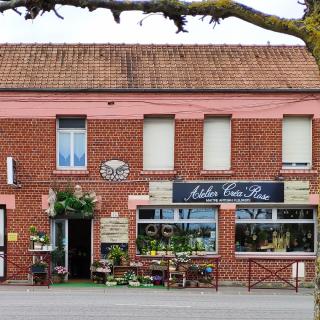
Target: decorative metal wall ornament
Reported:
point(114, 170)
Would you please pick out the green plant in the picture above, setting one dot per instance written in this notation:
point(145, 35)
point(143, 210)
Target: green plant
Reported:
point(111, 279)
point(33, 230)
point(40, 264)
point(200, 245)
point(161, 246)
point(145, 279)
point(115, 254)
point(130, 276)
point(77, 202)
point(38, 236)
point(154, 245)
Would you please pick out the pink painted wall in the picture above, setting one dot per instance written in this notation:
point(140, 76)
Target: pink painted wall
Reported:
point(135, 106)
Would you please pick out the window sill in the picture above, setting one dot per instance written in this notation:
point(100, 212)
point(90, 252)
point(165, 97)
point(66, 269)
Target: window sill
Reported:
point(158, 172)
point(70, 172)
point(275, 256)
point(204, 256)
point(298, 171)
point(216, 172)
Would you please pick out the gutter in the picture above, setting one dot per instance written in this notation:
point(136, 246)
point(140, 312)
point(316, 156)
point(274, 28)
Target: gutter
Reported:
point(165, 90)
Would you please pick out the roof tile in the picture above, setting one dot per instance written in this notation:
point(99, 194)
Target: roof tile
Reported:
point(122, 66)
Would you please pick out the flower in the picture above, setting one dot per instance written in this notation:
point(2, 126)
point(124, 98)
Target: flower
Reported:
point(38, 236)
point(60, 270)
point(181, 257)
point(103, 266)
point(157, 278)
point(145, 279)
point(129, 275)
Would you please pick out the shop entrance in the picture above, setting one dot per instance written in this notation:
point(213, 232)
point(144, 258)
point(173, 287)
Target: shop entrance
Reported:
point(79, 248)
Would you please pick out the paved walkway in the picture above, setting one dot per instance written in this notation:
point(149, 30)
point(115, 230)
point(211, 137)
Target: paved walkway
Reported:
point(123, 304)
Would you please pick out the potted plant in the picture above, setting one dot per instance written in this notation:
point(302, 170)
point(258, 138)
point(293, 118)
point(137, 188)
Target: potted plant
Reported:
point(154, 247)
point(60, 273)
point(97, 278)
point(121, 281)
point(160, 265)
point(125, 259)
point(145, 281)
point(38, 239)
point(115, 254)
point(162, 249)
point(111, 282)
point(129, 276)
point(157, 279)
point(169, 249)
point(100, 266)
point(71, 203)
point(182, 259)
point(39, 267)
point(133, 281)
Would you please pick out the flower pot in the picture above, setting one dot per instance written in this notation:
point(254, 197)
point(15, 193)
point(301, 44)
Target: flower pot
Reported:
point(37, 246)
point(31, 245)
point(57, 278)
point(38, 269)
point(153, 253)
point(208, 270)
point(134, 283)
point(157, 282)
point(111, 283)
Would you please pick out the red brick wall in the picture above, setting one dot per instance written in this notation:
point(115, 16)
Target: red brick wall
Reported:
point(256, 155)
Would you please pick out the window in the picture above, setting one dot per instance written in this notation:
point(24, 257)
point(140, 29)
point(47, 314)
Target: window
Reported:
point(158, 144)
point(216, 143)
point(296, 142)
point(168, 230)
point(72, 145)
point(275, 230)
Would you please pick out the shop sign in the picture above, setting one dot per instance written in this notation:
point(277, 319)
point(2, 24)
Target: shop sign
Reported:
point(234, 192)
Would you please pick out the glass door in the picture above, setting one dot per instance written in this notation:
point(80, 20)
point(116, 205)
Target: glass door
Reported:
point(2, 244)
point(60, 243)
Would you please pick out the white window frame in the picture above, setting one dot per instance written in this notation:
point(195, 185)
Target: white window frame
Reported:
point(72, 132)
point(176, 219)
point(297, 165)
point(274, 220)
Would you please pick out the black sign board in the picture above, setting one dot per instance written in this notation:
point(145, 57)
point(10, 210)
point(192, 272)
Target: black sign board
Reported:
point(240, 192)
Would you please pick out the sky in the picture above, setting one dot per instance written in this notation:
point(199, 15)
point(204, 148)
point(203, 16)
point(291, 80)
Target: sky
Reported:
point(82, 26)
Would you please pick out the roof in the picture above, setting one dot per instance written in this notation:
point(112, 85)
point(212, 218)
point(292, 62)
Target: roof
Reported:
point(122, 66)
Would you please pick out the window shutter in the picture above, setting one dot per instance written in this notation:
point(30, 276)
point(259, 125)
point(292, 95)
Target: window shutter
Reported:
point(296, 141)
point(216, 144)
point(158, 144)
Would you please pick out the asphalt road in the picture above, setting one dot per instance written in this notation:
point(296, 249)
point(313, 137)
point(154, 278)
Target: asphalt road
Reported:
point(123, 304)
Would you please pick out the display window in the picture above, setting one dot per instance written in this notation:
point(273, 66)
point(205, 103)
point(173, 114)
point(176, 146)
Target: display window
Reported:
point(169, 230)
point(272, 230)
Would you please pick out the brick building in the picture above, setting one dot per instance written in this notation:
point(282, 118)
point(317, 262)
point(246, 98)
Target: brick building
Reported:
point(211, 148)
